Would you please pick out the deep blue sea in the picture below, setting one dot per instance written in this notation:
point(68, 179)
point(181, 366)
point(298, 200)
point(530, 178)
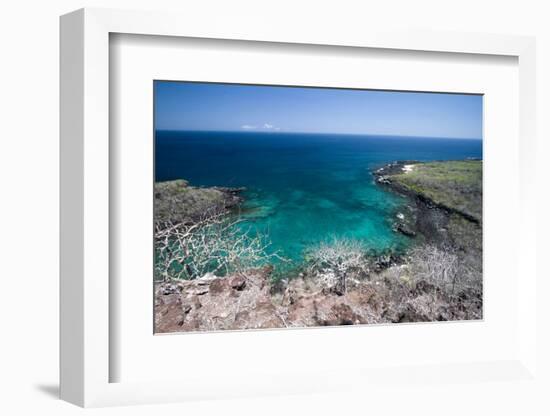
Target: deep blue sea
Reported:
point(304, 188)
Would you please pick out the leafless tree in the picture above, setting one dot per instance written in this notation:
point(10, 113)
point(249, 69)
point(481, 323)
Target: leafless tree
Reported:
point(334, 263)
point(437, 266)
point(214, 244)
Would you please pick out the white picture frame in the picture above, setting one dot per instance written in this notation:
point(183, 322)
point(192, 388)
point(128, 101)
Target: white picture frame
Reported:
point(86, 353)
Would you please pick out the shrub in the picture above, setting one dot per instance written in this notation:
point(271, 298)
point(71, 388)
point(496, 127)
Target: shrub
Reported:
point(214, 244)
point(433, 284)
point(337, 262)
point(442, 268)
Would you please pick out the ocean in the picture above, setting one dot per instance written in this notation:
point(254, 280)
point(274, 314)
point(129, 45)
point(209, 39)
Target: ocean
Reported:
point(302, 189)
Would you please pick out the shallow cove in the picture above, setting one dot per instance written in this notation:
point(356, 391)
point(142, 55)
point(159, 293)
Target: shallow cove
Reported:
point(304, 188)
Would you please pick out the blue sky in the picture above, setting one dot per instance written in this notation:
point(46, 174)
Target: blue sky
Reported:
point(234, 107)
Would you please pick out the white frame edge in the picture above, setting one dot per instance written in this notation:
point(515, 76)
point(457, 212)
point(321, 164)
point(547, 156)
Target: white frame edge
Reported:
point(84, 177)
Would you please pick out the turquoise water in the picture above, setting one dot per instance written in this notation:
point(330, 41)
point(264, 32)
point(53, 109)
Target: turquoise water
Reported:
point(304, 188)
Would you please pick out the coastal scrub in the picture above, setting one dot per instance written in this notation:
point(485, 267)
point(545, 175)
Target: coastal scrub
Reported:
point(211, 275)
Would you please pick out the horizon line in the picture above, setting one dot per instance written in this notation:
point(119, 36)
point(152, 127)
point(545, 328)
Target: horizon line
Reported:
point(316, 133)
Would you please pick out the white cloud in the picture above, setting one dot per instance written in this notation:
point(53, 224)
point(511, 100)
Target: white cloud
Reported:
point(271, 127)
point(265, 126)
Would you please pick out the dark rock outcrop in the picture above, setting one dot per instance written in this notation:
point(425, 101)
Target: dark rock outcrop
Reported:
point(425, 217)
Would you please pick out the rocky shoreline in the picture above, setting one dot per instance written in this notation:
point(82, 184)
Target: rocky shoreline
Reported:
point(422, 216)
point(178, 202)
point(444, 209)
point(342, 285)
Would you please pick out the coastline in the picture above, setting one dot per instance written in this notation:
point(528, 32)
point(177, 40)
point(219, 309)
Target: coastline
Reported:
point(374, 288)
point(426, 216)
point(177, 201)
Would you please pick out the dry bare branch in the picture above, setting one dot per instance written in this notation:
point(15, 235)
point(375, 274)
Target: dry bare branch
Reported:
point(337, 262)
point(442, 268)
point(214, 244)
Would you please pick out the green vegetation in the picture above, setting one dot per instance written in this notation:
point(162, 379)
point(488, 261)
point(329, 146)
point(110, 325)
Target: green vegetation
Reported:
point(456, 185)
point(177, 202)
point(212, 274)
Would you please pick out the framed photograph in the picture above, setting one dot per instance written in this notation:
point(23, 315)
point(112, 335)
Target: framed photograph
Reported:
point(281, 212)
point(290, 206)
